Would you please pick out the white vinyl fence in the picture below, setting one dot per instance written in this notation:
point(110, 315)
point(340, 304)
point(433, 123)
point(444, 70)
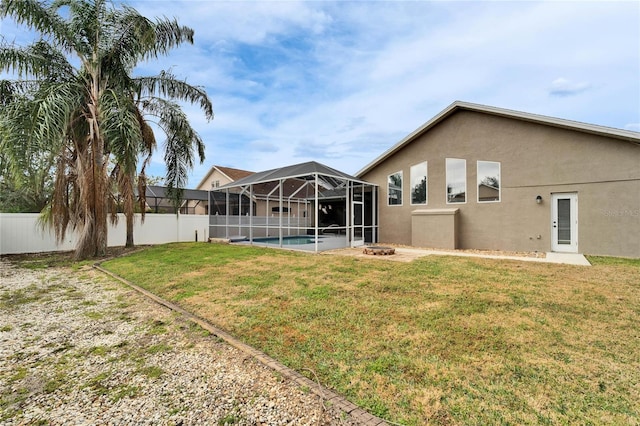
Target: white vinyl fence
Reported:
point(21, 232)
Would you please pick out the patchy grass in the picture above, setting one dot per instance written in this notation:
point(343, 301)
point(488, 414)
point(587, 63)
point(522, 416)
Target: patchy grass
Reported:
point(94, 315)
point(124, 391)
point(152, 371)
point(157, 327)
point(35, 261)
point(61, 259)
point(97, 383)
point(13, 298)
point(441, 340)
point(159, 348)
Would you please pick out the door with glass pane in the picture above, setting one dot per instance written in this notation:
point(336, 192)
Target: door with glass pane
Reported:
point(564, 223)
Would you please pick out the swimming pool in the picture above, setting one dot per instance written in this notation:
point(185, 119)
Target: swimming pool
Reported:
point(286, 241)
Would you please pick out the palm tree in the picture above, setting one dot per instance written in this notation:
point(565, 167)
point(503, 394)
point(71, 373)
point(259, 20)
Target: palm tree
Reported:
point(76, 97)
point(25, 173)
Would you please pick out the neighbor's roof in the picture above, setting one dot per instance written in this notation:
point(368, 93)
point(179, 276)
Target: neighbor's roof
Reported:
point(304, 171)
point(154, 191)
point(234, 174)
point(231, 173)
point(625, 135)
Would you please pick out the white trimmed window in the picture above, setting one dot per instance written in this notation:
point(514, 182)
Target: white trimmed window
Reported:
point(456, 170)
point(394, 182)
point(488, 182)
point(419, 184)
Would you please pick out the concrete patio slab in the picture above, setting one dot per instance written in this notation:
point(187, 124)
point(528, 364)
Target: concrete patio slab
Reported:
point(568, 258)
point(407, 254)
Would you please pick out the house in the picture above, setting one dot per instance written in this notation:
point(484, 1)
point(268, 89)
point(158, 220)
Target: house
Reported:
point(479, 177)
point(219, 176)
point(196, 201)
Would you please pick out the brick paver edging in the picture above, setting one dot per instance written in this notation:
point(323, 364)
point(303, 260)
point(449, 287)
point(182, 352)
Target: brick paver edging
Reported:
point(356, 413)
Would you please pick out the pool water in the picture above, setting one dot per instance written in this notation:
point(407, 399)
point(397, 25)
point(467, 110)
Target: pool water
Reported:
point(286, 241)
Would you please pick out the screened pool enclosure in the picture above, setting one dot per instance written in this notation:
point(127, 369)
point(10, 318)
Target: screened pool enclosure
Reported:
point(307, 206)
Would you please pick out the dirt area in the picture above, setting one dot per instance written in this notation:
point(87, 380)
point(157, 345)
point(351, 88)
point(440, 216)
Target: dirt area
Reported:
point(79, 348)
point(408, 254)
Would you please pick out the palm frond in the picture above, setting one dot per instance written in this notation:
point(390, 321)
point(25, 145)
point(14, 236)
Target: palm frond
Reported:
point(40, 60)
point(133, 35)
point(41, 18)
point(167, 85)
point(59, 211)
point(170, 34)
point(56, 106)
point(121, 130)
point(8, 92)
point(173, 121)
point(179, 146)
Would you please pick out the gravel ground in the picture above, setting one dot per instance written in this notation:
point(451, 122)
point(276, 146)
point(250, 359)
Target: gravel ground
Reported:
point(79, 348)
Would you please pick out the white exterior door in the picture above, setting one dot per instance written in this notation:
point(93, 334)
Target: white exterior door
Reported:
point(564, 222)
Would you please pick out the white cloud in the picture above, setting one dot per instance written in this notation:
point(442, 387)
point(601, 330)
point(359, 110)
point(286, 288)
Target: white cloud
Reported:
point(563, 87)
point(341, 82)
point(250, 22)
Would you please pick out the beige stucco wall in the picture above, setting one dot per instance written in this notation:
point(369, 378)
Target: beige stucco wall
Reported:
point(206, 185)
point(199, 207)
point(210, 180)
point(435, 228)
point(296, 209)
point(536, 159)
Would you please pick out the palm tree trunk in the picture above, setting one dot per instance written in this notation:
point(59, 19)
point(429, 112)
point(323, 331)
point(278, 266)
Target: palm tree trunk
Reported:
point(129, 242)
point(93, 187)
point(126, 189)
point(93, 223)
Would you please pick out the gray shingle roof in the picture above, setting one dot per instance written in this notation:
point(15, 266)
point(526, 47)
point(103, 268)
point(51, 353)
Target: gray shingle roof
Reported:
point(302, 171)
point(154, 191)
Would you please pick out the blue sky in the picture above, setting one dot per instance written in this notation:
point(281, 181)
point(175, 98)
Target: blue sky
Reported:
point(340, 82)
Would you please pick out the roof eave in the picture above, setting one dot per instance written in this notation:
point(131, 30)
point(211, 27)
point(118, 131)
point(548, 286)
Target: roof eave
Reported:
point(204, 179)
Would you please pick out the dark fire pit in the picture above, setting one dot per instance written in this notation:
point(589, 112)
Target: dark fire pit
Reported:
point(379, 250)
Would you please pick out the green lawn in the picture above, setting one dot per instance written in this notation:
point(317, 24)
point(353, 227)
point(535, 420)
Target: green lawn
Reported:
point(440, 340)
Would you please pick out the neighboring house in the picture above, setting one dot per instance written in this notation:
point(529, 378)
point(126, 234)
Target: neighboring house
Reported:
point(219, 176)
point(216, 177)
point(479, 177)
